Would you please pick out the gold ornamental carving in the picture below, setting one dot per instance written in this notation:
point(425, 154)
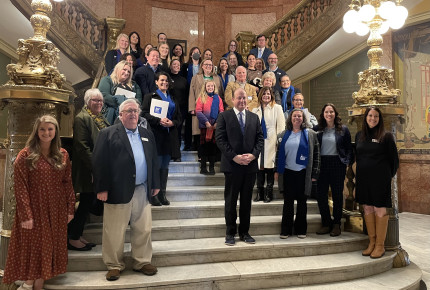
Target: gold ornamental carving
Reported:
point(115, 26)
point(37, 56)
point(376, 87)
point(246, 40)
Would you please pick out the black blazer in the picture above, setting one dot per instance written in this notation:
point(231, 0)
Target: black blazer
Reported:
point(114, 170)
point(343, 144)
point(232, 142)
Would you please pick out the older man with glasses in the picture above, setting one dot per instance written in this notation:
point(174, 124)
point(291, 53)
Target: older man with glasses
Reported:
point(126, 175)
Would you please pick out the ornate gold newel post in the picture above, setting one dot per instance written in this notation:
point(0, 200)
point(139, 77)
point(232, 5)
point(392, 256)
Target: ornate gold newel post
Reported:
point(377, 89)
point(34, 89)
point(246, 40)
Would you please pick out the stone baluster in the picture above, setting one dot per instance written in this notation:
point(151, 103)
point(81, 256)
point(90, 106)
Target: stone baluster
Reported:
point(302, 19)
point(78, 18)
point(276, 39)
point(85, 24)
point(283, 34)
point(70, 14)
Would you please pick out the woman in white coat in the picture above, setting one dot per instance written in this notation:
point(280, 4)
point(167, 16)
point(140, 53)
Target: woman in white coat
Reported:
point(272, 122)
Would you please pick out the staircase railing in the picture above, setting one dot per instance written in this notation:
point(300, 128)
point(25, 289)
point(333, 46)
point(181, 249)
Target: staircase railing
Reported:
point(85, 21)
point(76, 31)
point(289, 26)
point(300, 31)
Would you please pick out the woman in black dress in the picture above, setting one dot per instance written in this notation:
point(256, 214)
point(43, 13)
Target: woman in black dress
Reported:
point(377, 163)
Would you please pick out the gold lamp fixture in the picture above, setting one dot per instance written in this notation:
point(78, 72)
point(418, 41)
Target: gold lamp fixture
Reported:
point(377, 87)
point(376, 17)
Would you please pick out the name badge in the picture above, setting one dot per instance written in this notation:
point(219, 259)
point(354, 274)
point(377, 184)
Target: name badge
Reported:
point(144, 139)
point(375, 141)
point(302, 157)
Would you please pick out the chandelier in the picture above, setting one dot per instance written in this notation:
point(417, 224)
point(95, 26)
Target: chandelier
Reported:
point(376, 16)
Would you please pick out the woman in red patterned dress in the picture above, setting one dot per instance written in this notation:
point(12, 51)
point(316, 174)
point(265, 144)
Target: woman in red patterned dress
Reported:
point(44, 205)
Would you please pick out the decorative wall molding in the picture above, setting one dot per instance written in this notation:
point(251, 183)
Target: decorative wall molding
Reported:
point(8, 50)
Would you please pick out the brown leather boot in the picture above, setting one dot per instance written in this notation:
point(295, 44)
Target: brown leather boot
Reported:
point(371, 232)
point(381, 233)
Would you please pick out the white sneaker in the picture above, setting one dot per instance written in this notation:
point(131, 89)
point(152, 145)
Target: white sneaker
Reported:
point(284, 236)
point(301, 236)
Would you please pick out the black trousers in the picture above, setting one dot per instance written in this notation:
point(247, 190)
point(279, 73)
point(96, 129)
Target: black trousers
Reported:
point(236, 183)
point(261, 177)
point(294, 189)
point(76, 226)
point(186, 117)
point(332, 174)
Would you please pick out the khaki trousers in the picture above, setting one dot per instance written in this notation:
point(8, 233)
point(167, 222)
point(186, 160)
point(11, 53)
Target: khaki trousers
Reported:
point(115, 222)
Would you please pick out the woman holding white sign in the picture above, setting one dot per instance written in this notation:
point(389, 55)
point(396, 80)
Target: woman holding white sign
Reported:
point(162, 113)
point(118, 87)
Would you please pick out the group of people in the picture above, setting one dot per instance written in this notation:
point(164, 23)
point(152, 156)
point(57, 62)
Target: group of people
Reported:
point(252, 116)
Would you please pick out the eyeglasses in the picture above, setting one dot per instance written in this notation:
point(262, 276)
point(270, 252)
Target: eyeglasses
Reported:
point(131, 111)
point(298, 100)
point(208, 65)
point(96, 100)
point(233, 45)
point(273, 58)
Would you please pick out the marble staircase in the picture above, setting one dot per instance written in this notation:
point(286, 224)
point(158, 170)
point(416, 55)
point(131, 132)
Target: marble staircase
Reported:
point(189, 250)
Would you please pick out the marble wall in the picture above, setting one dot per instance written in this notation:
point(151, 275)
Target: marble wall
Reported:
point(206, 24)
point(414, 183)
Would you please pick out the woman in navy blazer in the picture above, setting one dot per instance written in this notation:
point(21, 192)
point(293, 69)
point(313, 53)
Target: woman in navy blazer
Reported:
point(336, 153)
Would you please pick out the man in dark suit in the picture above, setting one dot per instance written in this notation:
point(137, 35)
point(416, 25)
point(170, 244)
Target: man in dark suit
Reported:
point(240, 138)
point(273, 67)
point(145, 75)
point(126, 174)
point(261, 50)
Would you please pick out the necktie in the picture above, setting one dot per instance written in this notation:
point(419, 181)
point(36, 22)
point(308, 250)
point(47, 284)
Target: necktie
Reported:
point(242, 125)
point(259, 53)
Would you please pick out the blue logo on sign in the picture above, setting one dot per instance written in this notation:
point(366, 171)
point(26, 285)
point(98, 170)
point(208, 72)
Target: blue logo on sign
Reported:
point(157, 110)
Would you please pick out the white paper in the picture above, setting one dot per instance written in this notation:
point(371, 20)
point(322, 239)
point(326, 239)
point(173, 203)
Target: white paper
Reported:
point(159, 108)
point(128, 94)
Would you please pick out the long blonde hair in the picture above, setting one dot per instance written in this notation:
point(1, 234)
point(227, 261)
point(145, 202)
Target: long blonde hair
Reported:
point(33, 143)
point(117, 69)
point(203, 94)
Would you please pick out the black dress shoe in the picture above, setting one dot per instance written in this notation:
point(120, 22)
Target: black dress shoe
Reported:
point(92, 245)
point(229, 240)
point(73, 248)
point(247, 239)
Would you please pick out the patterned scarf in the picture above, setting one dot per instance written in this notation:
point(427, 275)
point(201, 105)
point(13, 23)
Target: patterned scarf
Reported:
point(98, 119)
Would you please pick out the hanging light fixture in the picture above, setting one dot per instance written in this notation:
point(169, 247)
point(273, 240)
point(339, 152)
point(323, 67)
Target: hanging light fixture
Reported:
point(385, 14)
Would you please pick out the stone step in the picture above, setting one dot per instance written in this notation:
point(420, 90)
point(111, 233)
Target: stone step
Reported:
point(406, 278)
point(203, 228)
point(192, 179)
point(200, 193)
point(250, 274)
point(213, 250)
point(212, 208)
point(215, 208)
point(188, 156)
point(189, 167)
